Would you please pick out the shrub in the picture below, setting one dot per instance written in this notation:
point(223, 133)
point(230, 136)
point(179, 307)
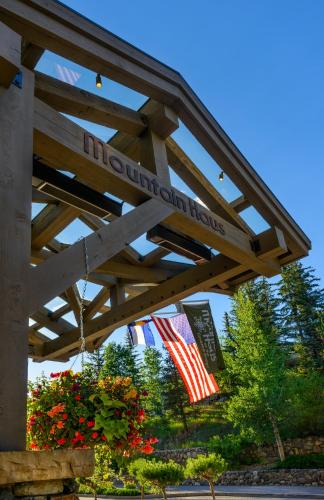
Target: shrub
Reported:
point(135, 470)
point(311, 461)
point(72, 411)
point(208, 467)
point(159, 474)
point(229, 447)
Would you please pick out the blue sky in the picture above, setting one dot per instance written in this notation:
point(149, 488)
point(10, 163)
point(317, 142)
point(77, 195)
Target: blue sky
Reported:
point(259, 68)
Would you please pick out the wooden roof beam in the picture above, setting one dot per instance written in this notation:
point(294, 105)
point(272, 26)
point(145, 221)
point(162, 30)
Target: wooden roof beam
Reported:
point(9, 55)
point(185, 168)
point(56, 27)
point(108, 167)
point(219, 270)
point(91, 107)
point(59, 272)
point(30, 54)
point(240, 203)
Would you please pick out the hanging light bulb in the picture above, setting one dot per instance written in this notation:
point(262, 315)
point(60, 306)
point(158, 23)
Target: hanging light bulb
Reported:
point(221, 176)
point(98, 81)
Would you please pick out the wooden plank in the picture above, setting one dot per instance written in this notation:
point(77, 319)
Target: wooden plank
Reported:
point(44, 317)
point(67, 267)
point(130, 272)
point(162, 120)
point(82, 104)
point(154, 256)
point(60, 141)
point(240, 203)
point(51, 221)
point(96, 304)
point(196, 278)
point(30, 54)
point(9, 55)
point(154, 156)
point(73, 297)
point(117, 295)
point(63, 31)
point(16, 153)
point(185, 168)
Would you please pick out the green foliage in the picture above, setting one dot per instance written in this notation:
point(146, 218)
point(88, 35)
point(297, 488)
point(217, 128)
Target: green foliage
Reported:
point(229, 447)
point(208, 467)
point(311, 461)
point(152, 381)
point(103, 489)
point(174, 394)
point(260, 402)
point(302, 314)
point(159, 474)
point(121, 360)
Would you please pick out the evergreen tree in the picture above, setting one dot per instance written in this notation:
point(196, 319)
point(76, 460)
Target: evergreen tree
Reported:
point(121, 360)
point(151, 379)
point(94, 363)
point(260, 401)
point(174, 394)
point(302, 313)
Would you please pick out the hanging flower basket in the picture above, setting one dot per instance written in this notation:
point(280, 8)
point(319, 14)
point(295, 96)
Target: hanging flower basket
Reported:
point(72, 411)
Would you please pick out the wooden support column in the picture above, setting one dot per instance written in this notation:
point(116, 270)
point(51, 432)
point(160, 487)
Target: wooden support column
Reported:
point(154, 155)
point(16, 152)
point(117, 294)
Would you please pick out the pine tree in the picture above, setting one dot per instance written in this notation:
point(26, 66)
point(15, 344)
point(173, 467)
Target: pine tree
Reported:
point(151, 379)
point(260, 402)
point(302, 313)
point(121, 360)
point(174, 394)
point(94, 363)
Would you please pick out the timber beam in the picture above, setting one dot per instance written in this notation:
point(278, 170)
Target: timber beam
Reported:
point(9, 55)
point(90, 159)
point(217, 271)
point(64, 269)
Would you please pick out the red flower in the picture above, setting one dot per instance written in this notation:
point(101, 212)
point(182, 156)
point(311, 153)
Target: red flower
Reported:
point(153, 440)
point(65, 416)
point(103, 438)
point(145, 393)
point(79, 436)
point(147, 449)
point(117, 413)
point(91, 423)
point(61, 441)
point(77, 397)
point(94, 435)
point(60, 424)
point(33, 446)
point(81, 420)
point(136, 442)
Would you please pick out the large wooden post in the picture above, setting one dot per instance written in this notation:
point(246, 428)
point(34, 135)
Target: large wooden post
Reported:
point(16, 132)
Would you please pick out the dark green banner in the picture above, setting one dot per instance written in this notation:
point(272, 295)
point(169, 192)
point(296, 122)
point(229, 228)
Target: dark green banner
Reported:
point(204, 331)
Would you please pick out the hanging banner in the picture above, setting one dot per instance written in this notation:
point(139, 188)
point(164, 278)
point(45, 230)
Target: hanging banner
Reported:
point(203, 328)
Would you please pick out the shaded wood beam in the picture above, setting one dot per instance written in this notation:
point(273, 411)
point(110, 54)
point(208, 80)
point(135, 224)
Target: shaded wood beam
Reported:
point(73, 297)
point(91, 107)
point(56, 146)
point(240, 204)
point(96, 304)
point(30, 54)
point(9, 55)
point(59, 325)
point(185, 168)
point(51, 221)
point(16, 154)
point(219, 270)
point(58, 28)
point(62, 270)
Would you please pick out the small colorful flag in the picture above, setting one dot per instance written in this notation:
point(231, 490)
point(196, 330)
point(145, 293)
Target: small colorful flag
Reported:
point(179, 341)
point(67, 75)
point(141, 333)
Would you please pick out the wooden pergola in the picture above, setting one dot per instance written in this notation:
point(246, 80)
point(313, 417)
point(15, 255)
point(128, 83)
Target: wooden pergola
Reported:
point(38, 142)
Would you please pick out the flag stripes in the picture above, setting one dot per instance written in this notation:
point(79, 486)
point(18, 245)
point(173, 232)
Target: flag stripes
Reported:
point(186, 357)
point(67, 75)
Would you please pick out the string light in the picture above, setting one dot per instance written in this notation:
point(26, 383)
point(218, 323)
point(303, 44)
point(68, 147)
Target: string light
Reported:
point(98, 81)
point(221, 176)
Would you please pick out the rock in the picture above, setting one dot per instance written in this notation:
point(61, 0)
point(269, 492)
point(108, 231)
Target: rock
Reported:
point(22, 466)
point(38, 488)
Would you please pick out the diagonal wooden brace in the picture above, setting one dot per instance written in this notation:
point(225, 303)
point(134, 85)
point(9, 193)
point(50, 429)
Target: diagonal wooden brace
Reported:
point(64, 269)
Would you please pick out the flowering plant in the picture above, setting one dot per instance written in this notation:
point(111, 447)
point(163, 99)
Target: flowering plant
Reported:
point(71, 411)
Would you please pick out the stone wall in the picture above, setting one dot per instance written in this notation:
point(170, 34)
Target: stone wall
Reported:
point(264, 454)
point(288, 477)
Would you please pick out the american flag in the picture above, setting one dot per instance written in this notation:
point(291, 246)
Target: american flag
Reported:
point(67, 75)
point(179, 341)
